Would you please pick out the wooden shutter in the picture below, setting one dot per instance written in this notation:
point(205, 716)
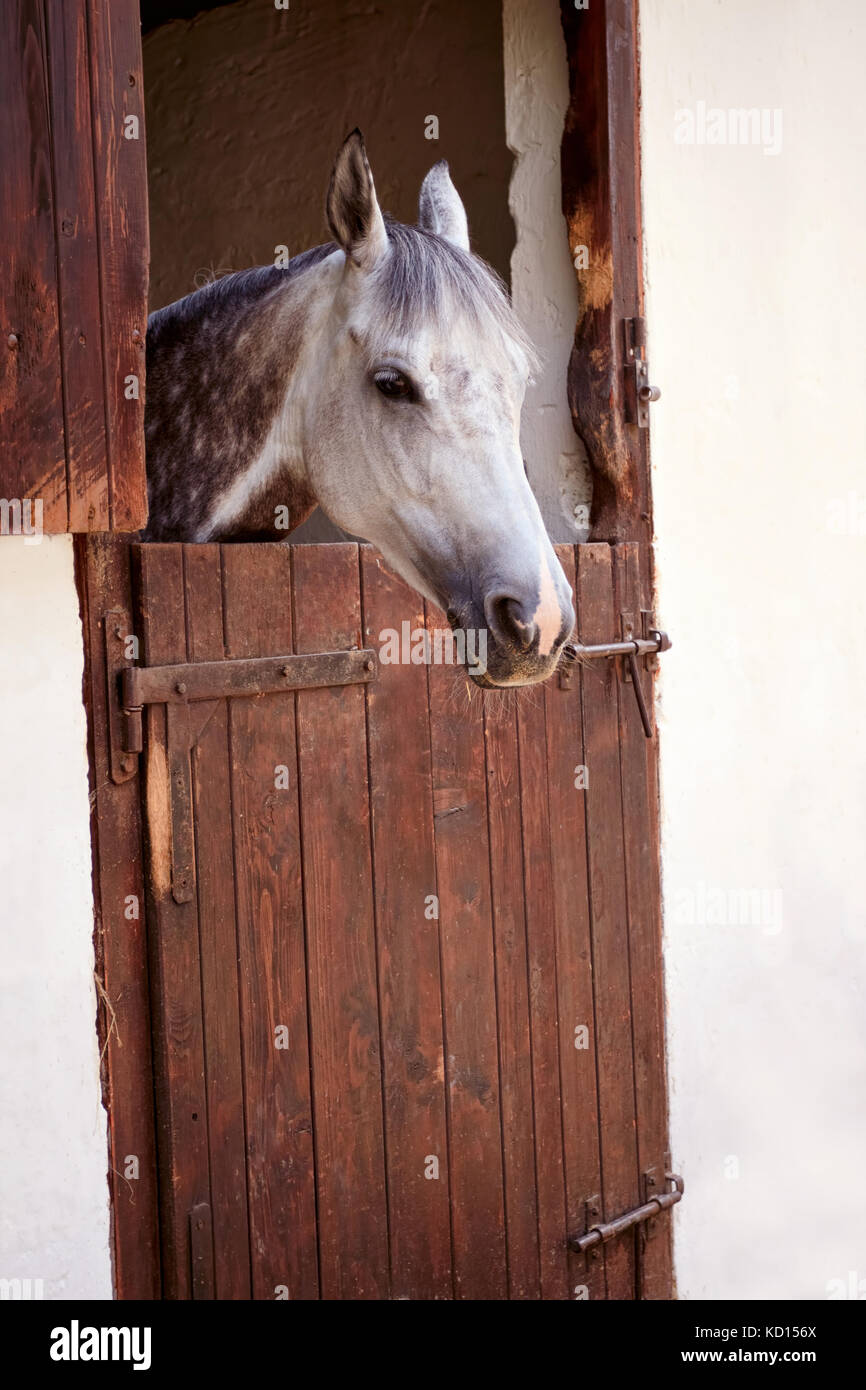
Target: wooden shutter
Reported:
point(73, 203)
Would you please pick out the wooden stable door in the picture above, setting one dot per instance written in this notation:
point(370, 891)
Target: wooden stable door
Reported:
point(402, 940)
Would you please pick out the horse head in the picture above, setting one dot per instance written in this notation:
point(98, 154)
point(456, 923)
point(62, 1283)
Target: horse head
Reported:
point(411, 422)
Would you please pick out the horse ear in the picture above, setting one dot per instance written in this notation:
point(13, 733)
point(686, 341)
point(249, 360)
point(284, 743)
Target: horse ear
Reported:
point(354, 216)
point(440, 208)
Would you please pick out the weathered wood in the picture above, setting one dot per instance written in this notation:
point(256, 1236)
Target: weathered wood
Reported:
point(407, 935)
point(600, 160)
point(640, 827)
point(74, 306)
point(114, 29)
point(201, 1252)
point(215, 890)
point(578, 1042)
point(32, 446)
point(468, 980)
point(175, 957)
point(538, 875)
point(341, 948)
point(512, 995)
point(77, 264)
point(270, 927)
point(608, 913)
point(102, 566)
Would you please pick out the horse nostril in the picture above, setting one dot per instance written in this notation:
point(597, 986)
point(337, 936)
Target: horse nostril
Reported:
point(511, 623)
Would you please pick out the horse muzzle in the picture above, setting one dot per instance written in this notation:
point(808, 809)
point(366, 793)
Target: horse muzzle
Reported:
point(510, 648)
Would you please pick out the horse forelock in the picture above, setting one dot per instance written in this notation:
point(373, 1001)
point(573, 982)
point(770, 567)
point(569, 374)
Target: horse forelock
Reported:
point(426, 281)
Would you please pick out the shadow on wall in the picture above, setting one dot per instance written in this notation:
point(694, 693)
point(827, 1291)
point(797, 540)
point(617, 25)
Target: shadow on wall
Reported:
point(247, 106)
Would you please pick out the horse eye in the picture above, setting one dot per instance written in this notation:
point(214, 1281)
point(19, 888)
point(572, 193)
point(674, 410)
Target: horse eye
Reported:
point(393, 384)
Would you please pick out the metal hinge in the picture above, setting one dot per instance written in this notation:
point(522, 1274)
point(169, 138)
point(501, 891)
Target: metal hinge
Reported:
point(188, 691)
point(651, 642)
point(218, 680)
point(116, 634)
point(603, 1231)
point(638, 391)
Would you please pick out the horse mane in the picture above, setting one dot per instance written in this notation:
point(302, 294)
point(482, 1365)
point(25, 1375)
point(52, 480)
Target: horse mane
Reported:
point(423, 278)
point(237, 288)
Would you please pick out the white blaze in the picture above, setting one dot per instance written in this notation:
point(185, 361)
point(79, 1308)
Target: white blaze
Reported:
point(548, 615)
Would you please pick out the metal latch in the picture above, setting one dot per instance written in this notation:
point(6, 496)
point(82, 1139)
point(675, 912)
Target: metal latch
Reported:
point(604, 1231)
point(638, 391)
point(649, 645)
point(219, 680)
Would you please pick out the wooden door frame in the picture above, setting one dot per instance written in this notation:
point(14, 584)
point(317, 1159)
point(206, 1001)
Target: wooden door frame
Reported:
point(601, 202)
point(600, 157)
point(120, 931)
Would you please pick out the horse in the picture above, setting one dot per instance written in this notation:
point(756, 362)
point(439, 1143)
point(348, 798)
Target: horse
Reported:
point(382, 376)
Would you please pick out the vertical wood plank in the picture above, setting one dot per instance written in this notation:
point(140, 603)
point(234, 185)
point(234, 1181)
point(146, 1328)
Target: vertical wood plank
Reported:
point(32, 446)
point(543, 1002)
point(174, 945)
point(103, 570)
point(341, 948)
point(215, 889)
point(578, 1050)
point(597, 620)
point(407, 931)
point(77, 264)
point(512, 995)
point(640, 826)
point(270, 924)
point(114, 31)
point(469, 980)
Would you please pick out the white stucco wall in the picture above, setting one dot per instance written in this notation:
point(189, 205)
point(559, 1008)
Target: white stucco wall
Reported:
point(756, 304)
point(54, 1216)
point(543, 282)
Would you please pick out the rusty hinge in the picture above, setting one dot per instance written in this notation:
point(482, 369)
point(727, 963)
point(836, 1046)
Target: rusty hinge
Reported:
point(116, 636)
point(648, 645)
point(188, 691)
point(638, 391)
point(604, 1231)
point(217, 680)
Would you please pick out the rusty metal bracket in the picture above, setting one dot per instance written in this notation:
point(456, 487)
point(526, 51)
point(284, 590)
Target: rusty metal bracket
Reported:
point(116, 629)
point(219, 680)
point(179, 688)
point(604, 1231)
